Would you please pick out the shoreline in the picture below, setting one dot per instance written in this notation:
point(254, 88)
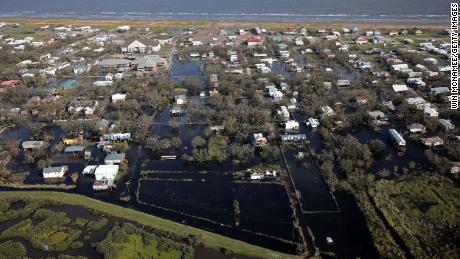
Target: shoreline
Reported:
point(219, 24)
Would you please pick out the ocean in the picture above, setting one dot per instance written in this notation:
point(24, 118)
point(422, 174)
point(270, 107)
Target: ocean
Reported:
point(347, 11)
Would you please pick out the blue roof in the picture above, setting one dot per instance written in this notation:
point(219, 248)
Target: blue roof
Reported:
point(73, 149)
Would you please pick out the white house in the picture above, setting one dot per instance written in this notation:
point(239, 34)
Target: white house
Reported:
point(326, 111)
point(54, 172)
point(118, 97)
point(291, 125)
point(399, 88)
point(105, 177)
point(284, 112)
point(142, 45)
point(312, 122)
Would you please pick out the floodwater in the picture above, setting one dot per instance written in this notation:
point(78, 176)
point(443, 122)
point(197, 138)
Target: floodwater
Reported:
point(203, 196)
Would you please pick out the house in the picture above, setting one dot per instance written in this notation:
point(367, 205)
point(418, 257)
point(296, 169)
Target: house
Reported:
point(361, 40)
point(164, 39)
point(8, 84)
point(89, 170)
point(175, 111)
point(446, 124)
point(233, 58)
point(432, 142)
point(326, 111)
point(148, 62)
point(312, 122)
point(86, 107)
point(259, 140)
point(364, 65)
point(54, 172)
point(72, 141)
point(254, 41)
point(74, 149)
point(115, 158)
point(284, 112)
point(439, 90)
point(432, 112)
point(113, 63)
point(416, 128)
point(399, 67)
point(116, 137)
point(141, 45)
point(29, 145)
point(180, 99)
point(378, 115)
point(416, 31)
point(291, 125)
point(399, 88)
point(397, 138)
point(118, 97)
point(81, 68)
point(105, 177)
point(124, 28)
point(293, 137)
point(343, 83)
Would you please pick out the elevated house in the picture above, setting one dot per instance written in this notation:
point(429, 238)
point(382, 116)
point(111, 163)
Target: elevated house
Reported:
point(164, 39)
point(148, 63)
point(291, 125)
point(141, 45)
point(105, 177)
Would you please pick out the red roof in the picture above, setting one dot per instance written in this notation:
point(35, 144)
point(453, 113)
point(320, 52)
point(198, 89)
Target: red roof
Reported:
point(254, 39)
point(9, 83)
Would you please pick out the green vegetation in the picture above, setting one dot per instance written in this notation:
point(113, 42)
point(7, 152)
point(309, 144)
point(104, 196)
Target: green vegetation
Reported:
point(425, 213)
point(12, 250)
point(129, 241)
point(52, 233)
point(217, 148)
point(208, 239)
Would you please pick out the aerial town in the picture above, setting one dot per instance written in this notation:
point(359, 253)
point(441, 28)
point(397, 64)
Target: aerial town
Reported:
point(303, 141)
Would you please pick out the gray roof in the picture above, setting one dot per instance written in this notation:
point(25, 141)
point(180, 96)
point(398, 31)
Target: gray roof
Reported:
point(55, 169)
point(115, 157)
point(110, 62)
point(32, 144)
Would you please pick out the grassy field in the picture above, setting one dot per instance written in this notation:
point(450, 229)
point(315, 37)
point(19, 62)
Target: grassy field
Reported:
point(424, 212)
point(211, 240)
